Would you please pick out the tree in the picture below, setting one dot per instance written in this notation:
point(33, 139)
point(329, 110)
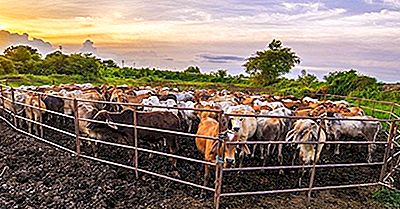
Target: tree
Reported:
point(83, 64)
point(23, 57)
point(267, 65)
point(193, 70)
point(21, 53)
point(345, 82)
point(6, 65)
point(55, 63)
point(306, 79)
point(221, 73)
point(109, 63)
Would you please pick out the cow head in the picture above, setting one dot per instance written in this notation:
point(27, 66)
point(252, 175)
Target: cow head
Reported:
point(104, 116)
point(230, 149)
point(236, 123)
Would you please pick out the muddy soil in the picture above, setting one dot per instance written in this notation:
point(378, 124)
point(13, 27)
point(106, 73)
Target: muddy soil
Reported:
point(37, 175)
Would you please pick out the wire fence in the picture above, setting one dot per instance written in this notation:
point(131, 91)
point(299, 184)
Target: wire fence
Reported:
point(389, 163)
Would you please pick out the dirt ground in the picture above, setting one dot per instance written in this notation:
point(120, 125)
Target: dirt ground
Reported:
point(37, 175)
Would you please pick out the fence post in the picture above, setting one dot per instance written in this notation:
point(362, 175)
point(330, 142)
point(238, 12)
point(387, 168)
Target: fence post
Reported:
point(391, 111)
point(313, 169)
point(392, 146)
point(373, 107)
point(218, 172)
point(219, 163)
point(136, 141)
point(387, 150)
point(2, 96)
point(13, 107)
point(76, 123)
point(40, 115)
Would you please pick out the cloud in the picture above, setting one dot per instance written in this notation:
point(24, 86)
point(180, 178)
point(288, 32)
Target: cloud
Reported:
point(217, 58)
point(8, 39)
point(308, 6)
point(325, 34)
point(87, 47)
point(394, 3)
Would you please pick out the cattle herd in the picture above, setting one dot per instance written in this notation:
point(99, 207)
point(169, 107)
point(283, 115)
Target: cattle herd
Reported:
point(236, 116)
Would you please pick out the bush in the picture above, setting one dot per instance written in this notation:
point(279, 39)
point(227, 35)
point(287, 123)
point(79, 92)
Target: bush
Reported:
point(390, 198)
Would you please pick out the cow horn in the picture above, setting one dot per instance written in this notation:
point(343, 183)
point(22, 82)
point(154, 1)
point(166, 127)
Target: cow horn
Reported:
point(111, 125)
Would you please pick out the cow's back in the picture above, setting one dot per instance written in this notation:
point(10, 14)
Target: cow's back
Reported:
point(160, 120)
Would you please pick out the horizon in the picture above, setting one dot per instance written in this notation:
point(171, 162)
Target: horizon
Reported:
point(327, 36)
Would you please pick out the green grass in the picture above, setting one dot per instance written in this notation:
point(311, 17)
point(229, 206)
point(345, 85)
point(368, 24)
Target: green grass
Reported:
point(390, 198)
point(28, 79)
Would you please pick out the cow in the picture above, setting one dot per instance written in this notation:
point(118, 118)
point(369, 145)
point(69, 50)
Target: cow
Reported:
point(352, 111)
point(275, 105)
point(88, 111)
point(303, 112)
point(211, 127)
point(189, 117)
point(55, 104)
point(159, 120)
point(291, 104)
point(8, 105)
point(353, 128)
point(306, 130)
point(168, 96)
point(32, 113)
point(269, 129)
point(273, 129)
point(244, 127)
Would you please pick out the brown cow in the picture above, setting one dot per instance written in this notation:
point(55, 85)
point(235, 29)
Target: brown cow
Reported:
point(160, 120)
point(352, 111)
point(210, 127)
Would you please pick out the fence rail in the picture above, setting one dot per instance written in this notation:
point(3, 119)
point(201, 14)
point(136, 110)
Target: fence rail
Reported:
point(390, 162)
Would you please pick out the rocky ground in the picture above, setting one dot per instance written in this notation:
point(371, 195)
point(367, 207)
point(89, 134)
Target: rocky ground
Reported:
point(36, 175)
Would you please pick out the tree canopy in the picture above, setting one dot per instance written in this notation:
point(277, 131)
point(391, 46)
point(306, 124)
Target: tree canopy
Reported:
point(343, 82)
point(267, 65)
point(192, 69)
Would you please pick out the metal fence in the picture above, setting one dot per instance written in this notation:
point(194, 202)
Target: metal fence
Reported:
point(389, 164)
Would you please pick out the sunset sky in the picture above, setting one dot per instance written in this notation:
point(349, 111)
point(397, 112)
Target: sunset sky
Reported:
point(327, 35)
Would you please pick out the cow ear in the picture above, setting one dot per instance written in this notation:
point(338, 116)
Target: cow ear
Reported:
point(111, 125)
point(246, 149)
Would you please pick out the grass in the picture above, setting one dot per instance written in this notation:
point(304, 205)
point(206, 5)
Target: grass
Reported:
point(390, 198)
point(28, 79)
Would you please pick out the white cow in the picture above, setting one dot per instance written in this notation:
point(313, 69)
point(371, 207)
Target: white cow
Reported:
point(353, 128)
point(306, 130)
point(243, 127)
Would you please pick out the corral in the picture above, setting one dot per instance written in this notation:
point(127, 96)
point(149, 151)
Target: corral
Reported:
point(350, 168)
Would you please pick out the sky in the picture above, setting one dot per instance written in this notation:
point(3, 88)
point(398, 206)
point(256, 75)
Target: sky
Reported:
point(327, 35)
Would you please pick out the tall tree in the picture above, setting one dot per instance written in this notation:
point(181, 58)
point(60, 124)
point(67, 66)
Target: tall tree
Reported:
point(21, 53)
point(267, 65)
point(193, 70)
point(55, 63)
point(25, 58)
